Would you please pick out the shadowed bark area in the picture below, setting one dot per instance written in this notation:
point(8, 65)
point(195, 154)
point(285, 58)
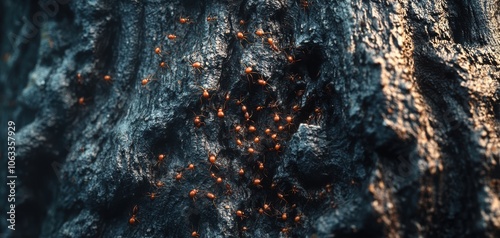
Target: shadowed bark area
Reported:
point(347, 118)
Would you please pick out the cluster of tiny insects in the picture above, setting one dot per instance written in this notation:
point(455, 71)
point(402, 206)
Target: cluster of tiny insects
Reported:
point(260, 127)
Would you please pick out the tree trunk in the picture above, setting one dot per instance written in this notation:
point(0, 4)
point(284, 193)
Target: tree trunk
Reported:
point(383, 118)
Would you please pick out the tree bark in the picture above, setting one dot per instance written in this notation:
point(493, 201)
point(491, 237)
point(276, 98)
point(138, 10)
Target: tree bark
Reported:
point(392, 130)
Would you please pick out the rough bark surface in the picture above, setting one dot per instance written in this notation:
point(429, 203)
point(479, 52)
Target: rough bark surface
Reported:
point(397, 132)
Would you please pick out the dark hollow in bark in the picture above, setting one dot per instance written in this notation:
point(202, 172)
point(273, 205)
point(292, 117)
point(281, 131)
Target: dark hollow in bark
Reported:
point(393, 128)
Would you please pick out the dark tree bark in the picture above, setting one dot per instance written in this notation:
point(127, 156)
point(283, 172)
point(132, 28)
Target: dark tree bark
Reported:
point(394, 128)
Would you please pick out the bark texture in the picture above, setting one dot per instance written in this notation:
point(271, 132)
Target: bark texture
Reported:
point(394, 129)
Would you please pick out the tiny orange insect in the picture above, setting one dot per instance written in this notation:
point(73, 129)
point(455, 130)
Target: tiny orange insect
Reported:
point(248, 70)
point(252, 129)
point(261, 33)
point(171, 37)
point(237, 128)
point(81, 101)
point(267, 131)
point(161, 157)
point(178, 176)
point(242, 37)
point(220, 113)
point(247, 116)
point(281, 197)
point(212, 197)
point(192, 194)
point(240, 214)
point(276, 117)
point(212, 158)
point(107, 78)
point(256, 182)
point(277, 147)
point(284, 216)
point(163, 65)
point(211, 18)
point(251, 150)
point(184, 20)
point(270, 41)
point(146, 80)
point(152, 196)
point(197, 120)
point(267, 207)
point(241, 172)
point(132, 220)
point(262, 82)
point(261, 165)
point(297, 218)
point(239, 142)
point(159, 184)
